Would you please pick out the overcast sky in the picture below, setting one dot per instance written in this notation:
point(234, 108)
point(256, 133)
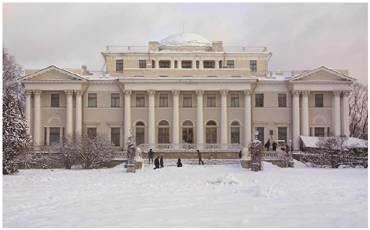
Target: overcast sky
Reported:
point(300, 36)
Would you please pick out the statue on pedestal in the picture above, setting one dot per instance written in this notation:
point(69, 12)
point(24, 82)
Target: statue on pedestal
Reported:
point(134, 159)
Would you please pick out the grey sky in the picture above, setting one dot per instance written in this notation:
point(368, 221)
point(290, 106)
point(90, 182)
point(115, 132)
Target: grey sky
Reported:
point(300, 36)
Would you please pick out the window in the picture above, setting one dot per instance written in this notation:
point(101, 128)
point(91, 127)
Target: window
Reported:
point(54, 135)
point(259, 100)
point(211, 132)
point(153, 64)
point(283, 134)
point(319, 100)
point(92, 100)
point(164, 64)
point(235, 132)
point(260, 134)
point(142, 64)
point(163, 132)
point(282, 100)
point(119, 65)
point(163, 100)
point(115, 136)
point(197, 64)
point(253, 65)
point(91, 133)
point(54, 100)
point(319, 131)
point(115, 100)
point(230, 64)
point(234, 101)
point(187, 101)
point(140, 101)
point(140, 133)
point(186, 64)
point(187, 132)
point(208, 64)
point(211, 101)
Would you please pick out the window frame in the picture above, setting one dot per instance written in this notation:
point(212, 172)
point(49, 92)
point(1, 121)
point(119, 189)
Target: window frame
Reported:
point(257, 100)
point(137, 102)
point(189, 98)
point(91, 99)
point(285, 104)
point(187, 61)
point(119, 65)
point(113, 138)
point(164, 64)
point(233, 103)
point(91, 134)
point(211, 101)
point(280, 133)
point(54, 137)
point(209, 64)
point(54, 100)
point(317, 102)
point(115, 100)
point(316, 131)
point(253, 66)
point(142, 64)
point(163, 103)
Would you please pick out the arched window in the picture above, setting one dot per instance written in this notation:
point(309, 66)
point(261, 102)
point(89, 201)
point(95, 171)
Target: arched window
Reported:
point(235, 132)
point(139, 132)
point(211, 132)
point(187, 123)
point(187, 132)
point(163, 132)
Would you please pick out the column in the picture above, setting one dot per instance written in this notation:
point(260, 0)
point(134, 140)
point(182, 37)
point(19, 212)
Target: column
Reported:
point(151, 119)
point(78, 114)
point(127, 116)
point(194, 64)
point(69, 115)
point(296, 125)
point(28, 111)
point(200, 135)
point(48, 136)
point(345, 113)
point(336, 113)
point(175, 118)
point(37, 119)
point(247, 118)
point(224, 121)
point(200, 64)
point(305, 114)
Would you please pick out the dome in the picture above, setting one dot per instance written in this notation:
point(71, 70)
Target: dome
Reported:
point(185, 41)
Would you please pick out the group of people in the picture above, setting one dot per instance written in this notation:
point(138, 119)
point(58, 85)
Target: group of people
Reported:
point(274, 145)
point(158, 161)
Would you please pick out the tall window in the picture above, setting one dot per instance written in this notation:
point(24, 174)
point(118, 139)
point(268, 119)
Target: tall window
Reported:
point(164, 64)
point(140, 133)
point(197, 64)
point(208, 64)
point(211, 100)
point(153, 64)
point(235, 101)
point(211, 132)
point(319, 100)
point(230, 64)
point(142, 64)
point(235, 132)
point(140, 100)
point(187, 101)
point(260, 132)
point(283, 134)
point(187, 132)
point(115, 136)
point(282, 100)
point(115, 99)
point(259, 100)
point(163, 100)
point(319, 131)
point(220, 64)
point(54, 136)
point(91, 133)
point(92, 100)
point(54, 100)
point(186, 64)
point(253, 65)
point(163, 132)
point(119, 65)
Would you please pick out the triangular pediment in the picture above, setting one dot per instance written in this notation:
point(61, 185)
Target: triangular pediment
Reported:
point(322, 74)
point(53, 73)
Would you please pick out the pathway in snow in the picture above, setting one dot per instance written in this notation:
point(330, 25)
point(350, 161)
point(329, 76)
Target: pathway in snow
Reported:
point(192, 196)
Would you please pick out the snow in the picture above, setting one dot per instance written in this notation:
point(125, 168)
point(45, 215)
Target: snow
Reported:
point(192, 196)
point(185, 39)
point(351, 142)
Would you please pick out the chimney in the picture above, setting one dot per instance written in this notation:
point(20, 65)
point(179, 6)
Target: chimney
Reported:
point(217, 46)
point(153, 46)
point(84, 70)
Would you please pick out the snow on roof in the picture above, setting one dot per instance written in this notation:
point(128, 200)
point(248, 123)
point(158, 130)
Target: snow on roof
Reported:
point(185, 39)
point(351, 142)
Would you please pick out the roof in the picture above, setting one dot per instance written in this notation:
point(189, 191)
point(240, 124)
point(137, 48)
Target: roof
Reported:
point(185, 39)
point(53, 67)
point(351, 142)
point(307, 73)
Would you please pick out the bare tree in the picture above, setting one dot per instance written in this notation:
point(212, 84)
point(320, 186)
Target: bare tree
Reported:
point(95, 152)
point(358, 110)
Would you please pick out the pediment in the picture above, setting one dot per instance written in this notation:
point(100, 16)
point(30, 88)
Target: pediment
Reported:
point(53, 73)
point(322, 74)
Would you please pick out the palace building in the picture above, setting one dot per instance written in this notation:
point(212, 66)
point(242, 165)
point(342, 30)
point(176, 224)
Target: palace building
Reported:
point(186, 92)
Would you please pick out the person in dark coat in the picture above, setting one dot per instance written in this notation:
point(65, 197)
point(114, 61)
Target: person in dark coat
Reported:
point(179, 164)
point(161, 161)
point(156, 163)
point(274, 145)
point(200, 161)
point(150, 155)
point(267, 145)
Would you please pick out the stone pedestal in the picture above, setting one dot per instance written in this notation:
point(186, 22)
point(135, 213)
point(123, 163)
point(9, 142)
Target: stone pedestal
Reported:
point(139, 164)
point(246, 164)
point(131, 166)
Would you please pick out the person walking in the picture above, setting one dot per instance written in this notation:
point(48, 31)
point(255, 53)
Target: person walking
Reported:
point(200, 161)
point(150, 155)
point(274, 145)
point(156, 163)
point(267, 145)
point(161, 161)
point(179, 164)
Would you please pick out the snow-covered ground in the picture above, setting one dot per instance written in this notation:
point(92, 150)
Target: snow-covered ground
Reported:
point(192, 196)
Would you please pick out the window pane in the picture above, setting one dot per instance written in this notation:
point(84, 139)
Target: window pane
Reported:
point(140, 135)
point(211, 101)
point(54, 136)
point(164, 64)
point(253, 65)
point(187, 101)
point(115, 100)
point(54, 100)
point(282, 100)
point(211, 135)
point(92, 100)
point(115, 136)
point(259, 100)
point(235, 135)
point(186, 64)
point(140, 101)
point(91, 132)
point(163, 135)
point(319, 131)
point(119, 65)
point(234, 101)
point(319, 100)
point(142, 64)
point(163, 100)
point(230, 63)
point(283, 134)
point(208, 64)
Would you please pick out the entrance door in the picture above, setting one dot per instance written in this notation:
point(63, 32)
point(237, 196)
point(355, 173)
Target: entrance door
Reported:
point(187, 135)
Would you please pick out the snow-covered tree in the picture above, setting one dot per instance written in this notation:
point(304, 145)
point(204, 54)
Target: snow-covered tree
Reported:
point(256, 149)
point(95, 152)
point(70, 151)
point(358, 110)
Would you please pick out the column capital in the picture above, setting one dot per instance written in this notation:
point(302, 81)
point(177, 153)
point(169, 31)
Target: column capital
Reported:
point(200, 92)
point(346, 93)
point(224, 92)
point(151, 91)
point(127, 92)
point(296, 92)
point(77, 92)
point(28, 92)
point(336, 92)
point(37, 92)
point(247, 92)
point(175, 92)
point(305, 92)
point(68, 92)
